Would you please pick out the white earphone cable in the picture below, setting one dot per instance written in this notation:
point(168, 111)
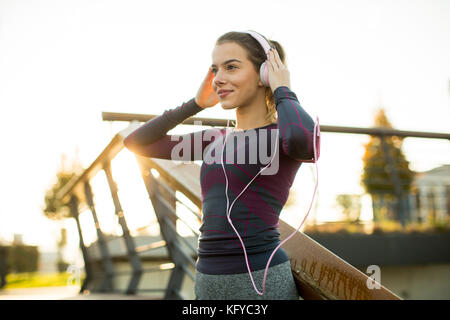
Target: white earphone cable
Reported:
point(228, 212)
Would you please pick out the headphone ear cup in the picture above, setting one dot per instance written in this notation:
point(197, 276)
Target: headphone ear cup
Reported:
point(264, 74)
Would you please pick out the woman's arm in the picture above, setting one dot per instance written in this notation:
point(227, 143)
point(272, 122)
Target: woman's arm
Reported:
point(151, 140)
point(295, 124)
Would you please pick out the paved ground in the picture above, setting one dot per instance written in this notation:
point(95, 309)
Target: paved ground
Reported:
point(62, 293)
point(47, 293)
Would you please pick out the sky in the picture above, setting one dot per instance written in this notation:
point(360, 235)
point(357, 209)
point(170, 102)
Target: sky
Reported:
point(64, 62)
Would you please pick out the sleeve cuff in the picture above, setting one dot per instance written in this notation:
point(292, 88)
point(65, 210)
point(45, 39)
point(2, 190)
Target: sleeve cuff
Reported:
point(283, 92)
point(182, 112)
point(192, 106)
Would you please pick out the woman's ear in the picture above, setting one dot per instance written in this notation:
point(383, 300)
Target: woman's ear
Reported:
point(260, 84)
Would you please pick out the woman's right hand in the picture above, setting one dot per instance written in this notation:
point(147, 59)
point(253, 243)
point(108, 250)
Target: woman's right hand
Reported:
point(206, 96)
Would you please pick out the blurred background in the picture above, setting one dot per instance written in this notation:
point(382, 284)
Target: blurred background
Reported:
point(360, 64)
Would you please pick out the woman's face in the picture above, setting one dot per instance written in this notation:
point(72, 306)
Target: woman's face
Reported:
point(238, 75)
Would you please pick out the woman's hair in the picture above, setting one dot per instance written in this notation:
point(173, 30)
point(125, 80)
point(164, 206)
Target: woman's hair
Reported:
point(256, 54)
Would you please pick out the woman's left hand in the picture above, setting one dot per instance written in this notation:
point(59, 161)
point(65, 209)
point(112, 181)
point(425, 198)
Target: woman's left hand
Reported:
point(278, 72)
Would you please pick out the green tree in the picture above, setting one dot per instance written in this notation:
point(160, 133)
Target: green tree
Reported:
point(351, 206)
point(377, 178)
point(56, 209)
point(23, 258)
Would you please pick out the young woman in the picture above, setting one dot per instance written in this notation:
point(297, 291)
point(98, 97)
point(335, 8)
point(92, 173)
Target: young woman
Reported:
point(234, 80)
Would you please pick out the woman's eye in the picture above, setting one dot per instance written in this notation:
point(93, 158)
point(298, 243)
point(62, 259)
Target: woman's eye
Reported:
point(215, 70)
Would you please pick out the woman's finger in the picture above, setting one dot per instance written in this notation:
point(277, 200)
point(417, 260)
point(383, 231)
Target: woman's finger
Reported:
point(277, 58)
point(269, 64)
point(210, 74)
point(272, 60)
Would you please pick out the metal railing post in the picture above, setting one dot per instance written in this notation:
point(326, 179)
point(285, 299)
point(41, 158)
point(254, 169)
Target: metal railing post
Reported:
point(167, 226)
point(108, 266)
point(87, 259)
point(134, 259)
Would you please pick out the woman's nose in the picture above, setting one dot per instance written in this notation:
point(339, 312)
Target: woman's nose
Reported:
point(218, 78)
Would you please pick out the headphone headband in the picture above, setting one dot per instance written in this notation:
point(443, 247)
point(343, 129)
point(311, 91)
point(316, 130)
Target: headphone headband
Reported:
point(262, 41)
point(263, 69)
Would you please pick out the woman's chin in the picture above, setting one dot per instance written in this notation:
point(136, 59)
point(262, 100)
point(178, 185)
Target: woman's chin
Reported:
point(227, 106)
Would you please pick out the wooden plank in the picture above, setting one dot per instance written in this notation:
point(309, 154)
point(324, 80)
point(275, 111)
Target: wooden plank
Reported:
point(320, 274)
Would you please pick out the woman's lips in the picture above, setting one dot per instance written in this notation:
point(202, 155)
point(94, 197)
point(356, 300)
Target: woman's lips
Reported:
point(224, 94)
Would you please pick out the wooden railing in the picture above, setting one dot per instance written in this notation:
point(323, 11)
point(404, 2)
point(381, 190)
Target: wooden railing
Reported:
point(319, 274)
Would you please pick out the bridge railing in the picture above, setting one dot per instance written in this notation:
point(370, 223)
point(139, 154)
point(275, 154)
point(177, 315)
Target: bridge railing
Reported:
point(169, 259)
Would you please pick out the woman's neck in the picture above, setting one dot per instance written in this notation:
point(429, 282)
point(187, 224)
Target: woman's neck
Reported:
point(252, 115)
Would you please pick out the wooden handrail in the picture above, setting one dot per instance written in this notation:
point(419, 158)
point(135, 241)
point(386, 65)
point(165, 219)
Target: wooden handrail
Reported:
point(117, 116)
point(75, 186)
point(319, 274)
